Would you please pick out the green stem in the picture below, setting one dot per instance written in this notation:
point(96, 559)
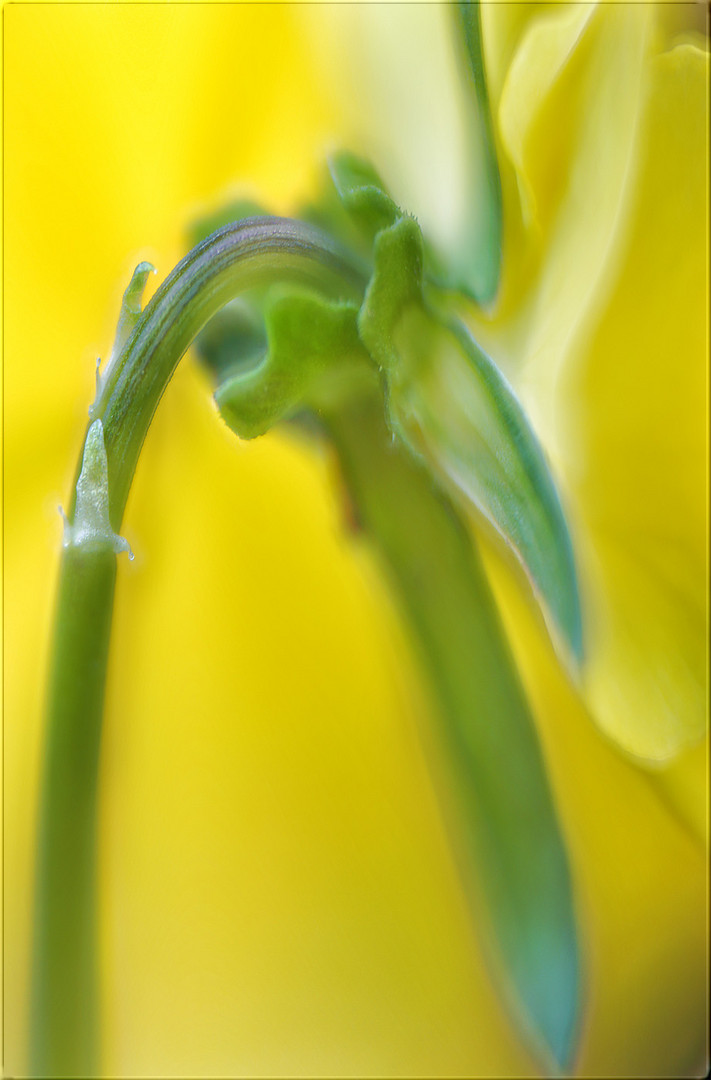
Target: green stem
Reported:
point(64, 1039)
point(240, 256)
point(64, 1006)
point(506, 825)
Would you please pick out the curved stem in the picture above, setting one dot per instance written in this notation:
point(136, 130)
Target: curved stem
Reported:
point(241, 255)
point(64, 1037)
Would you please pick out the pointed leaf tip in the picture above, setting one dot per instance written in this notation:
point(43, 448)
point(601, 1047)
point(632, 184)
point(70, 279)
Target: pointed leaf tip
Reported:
point(133, 295)
point(131, 306)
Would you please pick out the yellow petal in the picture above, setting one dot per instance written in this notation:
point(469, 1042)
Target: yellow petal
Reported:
point(602, 327)
point(567, 121)
point(635, 405)
point(683, 785)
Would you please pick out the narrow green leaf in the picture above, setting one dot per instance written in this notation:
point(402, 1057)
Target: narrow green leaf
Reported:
point(449, 402)
point(503, 818)
point(475, 264)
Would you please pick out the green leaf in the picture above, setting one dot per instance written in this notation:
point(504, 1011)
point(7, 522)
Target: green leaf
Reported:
point(452, 406)
point(475, 264)
point(503, 819)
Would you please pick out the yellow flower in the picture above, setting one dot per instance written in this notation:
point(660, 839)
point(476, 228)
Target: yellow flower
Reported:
point(277, 891)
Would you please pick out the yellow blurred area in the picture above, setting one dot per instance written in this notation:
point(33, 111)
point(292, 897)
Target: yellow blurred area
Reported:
point(278, 895)
point(603, 326)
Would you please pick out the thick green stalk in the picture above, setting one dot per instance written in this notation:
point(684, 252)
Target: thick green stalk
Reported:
point(64, 1023)
point(503, 813)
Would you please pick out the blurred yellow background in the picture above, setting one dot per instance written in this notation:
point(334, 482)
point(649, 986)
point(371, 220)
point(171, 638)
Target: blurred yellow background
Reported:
point(277, 890)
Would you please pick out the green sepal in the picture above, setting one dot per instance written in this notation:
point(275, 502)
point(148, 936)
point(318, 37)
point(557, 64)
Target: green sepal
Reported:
point(504, 473)
point(233, 341)
point(131, 308)
point(355, 205)
point(451, 405)
point(474, 265)
point(352, 204)
point(314, 360)
point(328, 213)
point(394, 289)
point(362, 193)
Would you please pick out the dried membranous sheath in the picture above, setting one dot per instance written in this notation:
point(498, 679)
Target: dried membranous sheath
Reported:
point(91, 525)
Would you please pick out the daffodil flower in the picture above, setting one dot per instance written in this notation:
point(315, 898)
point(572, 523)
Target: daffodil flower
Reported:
point(214, 876)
